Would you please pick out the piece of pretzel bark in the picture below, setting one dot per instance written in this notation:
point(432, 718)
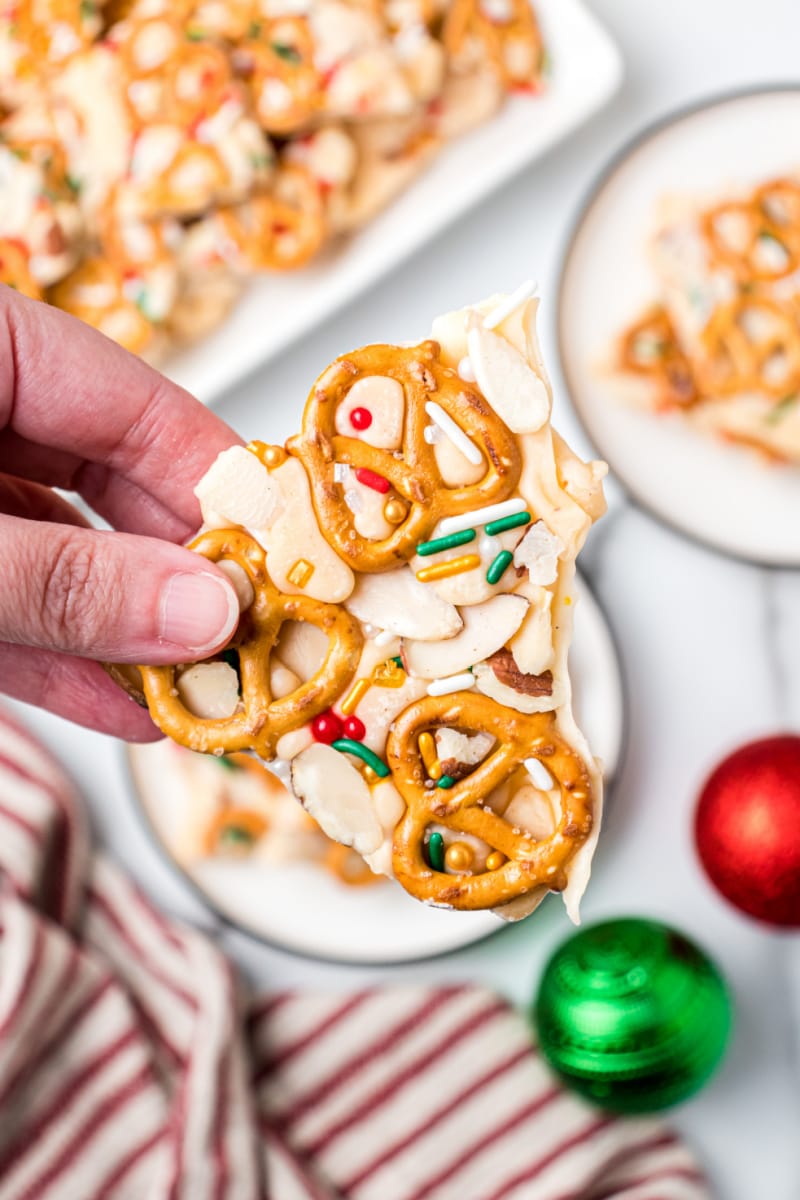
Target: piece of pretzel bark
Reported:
point(527, 863)
point(259, 721)
point(411, 475)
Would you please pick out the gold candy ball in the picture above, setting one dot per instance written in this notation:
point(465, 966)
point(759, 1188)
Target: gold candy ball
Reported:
point(458, 856)
point(495, 860)
point(394, 511)
point(270, 456)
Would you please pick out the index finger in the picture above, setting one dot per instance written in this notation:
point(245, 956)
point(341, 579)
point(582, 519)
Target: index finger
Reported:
point(66, 387)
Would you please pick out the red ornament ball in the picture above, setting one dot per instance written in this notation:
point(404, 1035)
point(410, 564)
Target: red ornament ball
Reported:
point(361, 418)
point(747, 829)
point(327, 727)
point(354, 728)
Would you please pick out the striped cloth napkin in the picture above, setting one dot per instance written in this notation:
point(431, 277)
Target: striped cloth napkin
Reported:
point(133, 1067)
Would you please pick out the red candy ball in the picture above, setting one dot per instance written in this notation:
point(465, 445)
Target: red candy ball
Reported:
point(354, 728)
point(747, 829)
point(327, 727)
point(361, 418)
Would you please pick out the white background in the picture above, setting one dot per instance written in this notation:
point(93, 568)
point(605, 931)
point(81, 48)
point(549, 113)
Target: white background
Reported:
point(711, 647)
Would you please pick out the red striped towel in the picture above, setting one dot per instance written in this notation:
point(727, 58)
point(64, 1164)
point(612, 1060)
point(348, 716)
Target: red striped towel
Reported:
point(133, 1066)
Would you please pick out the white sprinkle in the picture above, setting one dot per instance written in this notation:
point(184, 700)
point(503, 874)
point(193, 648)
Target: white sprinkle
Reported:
point(432, 434)
point(341, 472)
point(465, 370)
point(453, 683)
point(385, 637)
point(540, 776)
point(489, 547)
point(453, 432)
point(480, 516)
point(512, 302)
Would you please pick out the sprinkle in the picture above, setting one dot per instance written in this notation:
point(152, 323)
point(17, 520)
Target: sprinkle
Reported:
point(446, 543)
point(354, 697)
point(511, 522)
point(355, 728)
point(388, 674)
point(512, 302)
point(430, 759)
point(499, 566)
point(453, 432)
point(435, 848)
point(300, 573)
point(371, 479)
point(482, 516)
point(452, 566)
point(326, 728)
point(361, 418)
point(465, 369)
point(395, 511)
point(341, 472)
point(458, 856)
point(495, 860)
point(397, 660)
point(540, 776)
point(347, 746)
point(446, 782)
point(385, 637)
point(270, 456)
point(452, 683)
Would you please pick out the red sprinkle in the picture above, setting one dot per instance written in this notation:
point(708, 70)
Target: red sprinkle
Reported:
point(354, 728)
point(372, 480)
point(361, 418)
point(327, 727)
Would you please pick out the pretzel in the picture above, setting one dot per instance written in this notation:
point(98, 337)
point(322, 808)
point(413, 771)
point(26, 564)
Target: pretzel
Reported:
point(280, 230)
point(737, 358)
point(771, 212)
point(413, 476)
point(15, 268)
point(650, 347)
point(259, 721)
point(278, 65)
point(96, 292)
point(463, 807)
point(508, 32)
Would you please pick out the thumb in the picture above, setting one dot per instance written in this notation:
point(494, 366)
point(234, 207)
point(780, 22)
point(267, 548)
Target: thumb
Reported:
point(111, 595)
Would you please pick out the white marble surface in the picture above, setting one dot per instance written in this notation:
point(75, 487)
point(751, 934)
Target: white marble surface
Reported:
point(711, 647)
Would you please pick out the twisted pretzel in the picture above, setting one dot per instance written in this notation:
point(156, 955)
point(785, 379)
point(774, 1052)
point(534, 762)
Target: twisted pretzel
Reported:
point(530, 863)
point(771, 212)
point(508, 32)
point(259, 721)
point(738, 357)
point(96, 292)
point(278, 65)
point(650, 347)
point(413, 475)
point(280, 230)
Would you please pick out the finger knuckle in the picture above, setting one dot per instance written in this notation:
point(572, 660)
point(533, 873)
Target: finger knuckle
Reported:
point(73, 597)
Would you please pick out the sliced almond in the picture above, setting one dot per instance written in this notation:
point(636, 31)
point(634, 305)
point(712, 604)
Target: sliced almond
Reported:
point(337, 797)
point(396, 601)
point(539, 551)
point(461, 747)
point(209, 690)
point(240, 580)
point(237, 489)
point(512, 387)
point(486, 628)
point(487, 682)
point(532, 646)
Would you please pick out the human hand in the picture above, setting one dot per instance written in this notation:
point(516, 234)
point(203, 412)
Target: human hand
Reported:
point(79, 413)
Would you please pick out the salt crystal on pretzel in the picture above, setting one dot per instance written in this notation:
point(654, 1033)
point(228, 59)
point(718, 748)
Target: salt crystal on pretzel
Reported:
point(472, 658)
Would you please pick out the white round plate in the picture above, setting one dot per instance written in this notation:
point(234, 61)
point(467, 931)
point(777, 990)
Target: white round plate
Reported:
point(720, 494)
point(304, 909)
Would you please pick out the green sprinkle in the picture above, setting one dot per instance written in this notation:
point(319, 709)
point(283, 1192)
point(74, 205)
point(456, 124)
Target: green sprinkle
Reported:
point(397, 660)
point(348, 746)
point(504, 523)
point(446, 543)
point(255, 29)
point(229, 764)
point(499, 566)
point(287, 53)
point(73, 183)
point(446, 781)
point(195, 35)
point(87, 10)
point(234, 835)
point(435, 849)
point(781, 409)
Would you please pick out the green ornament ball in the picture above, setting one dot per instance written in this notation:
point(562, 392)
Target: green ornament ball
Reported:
point(632, 1014)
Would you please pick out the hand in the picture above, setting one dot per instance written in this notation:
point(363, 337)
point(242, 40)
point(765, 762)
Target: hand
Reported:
point(79, 413)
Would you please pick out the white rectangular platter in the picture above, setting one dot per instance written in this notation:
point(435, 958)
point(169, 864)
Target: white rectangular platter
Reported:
point(279, 309)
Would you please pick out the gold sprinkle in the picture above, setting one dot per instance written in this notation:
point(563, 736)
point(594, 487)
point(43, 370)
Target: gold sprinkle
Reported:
point(458, 856)
point(300, 573)
point(452, 566)
point(270, 456)
point(354, 697)
point(568, 599)
point(389, 674)
point(394, 511)
point(427, 750)
point(495, 860)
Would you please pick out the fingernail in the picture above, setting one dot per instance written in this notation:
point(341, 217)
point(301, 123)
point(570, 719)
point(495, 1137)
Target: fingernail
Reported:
point(198, 611)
